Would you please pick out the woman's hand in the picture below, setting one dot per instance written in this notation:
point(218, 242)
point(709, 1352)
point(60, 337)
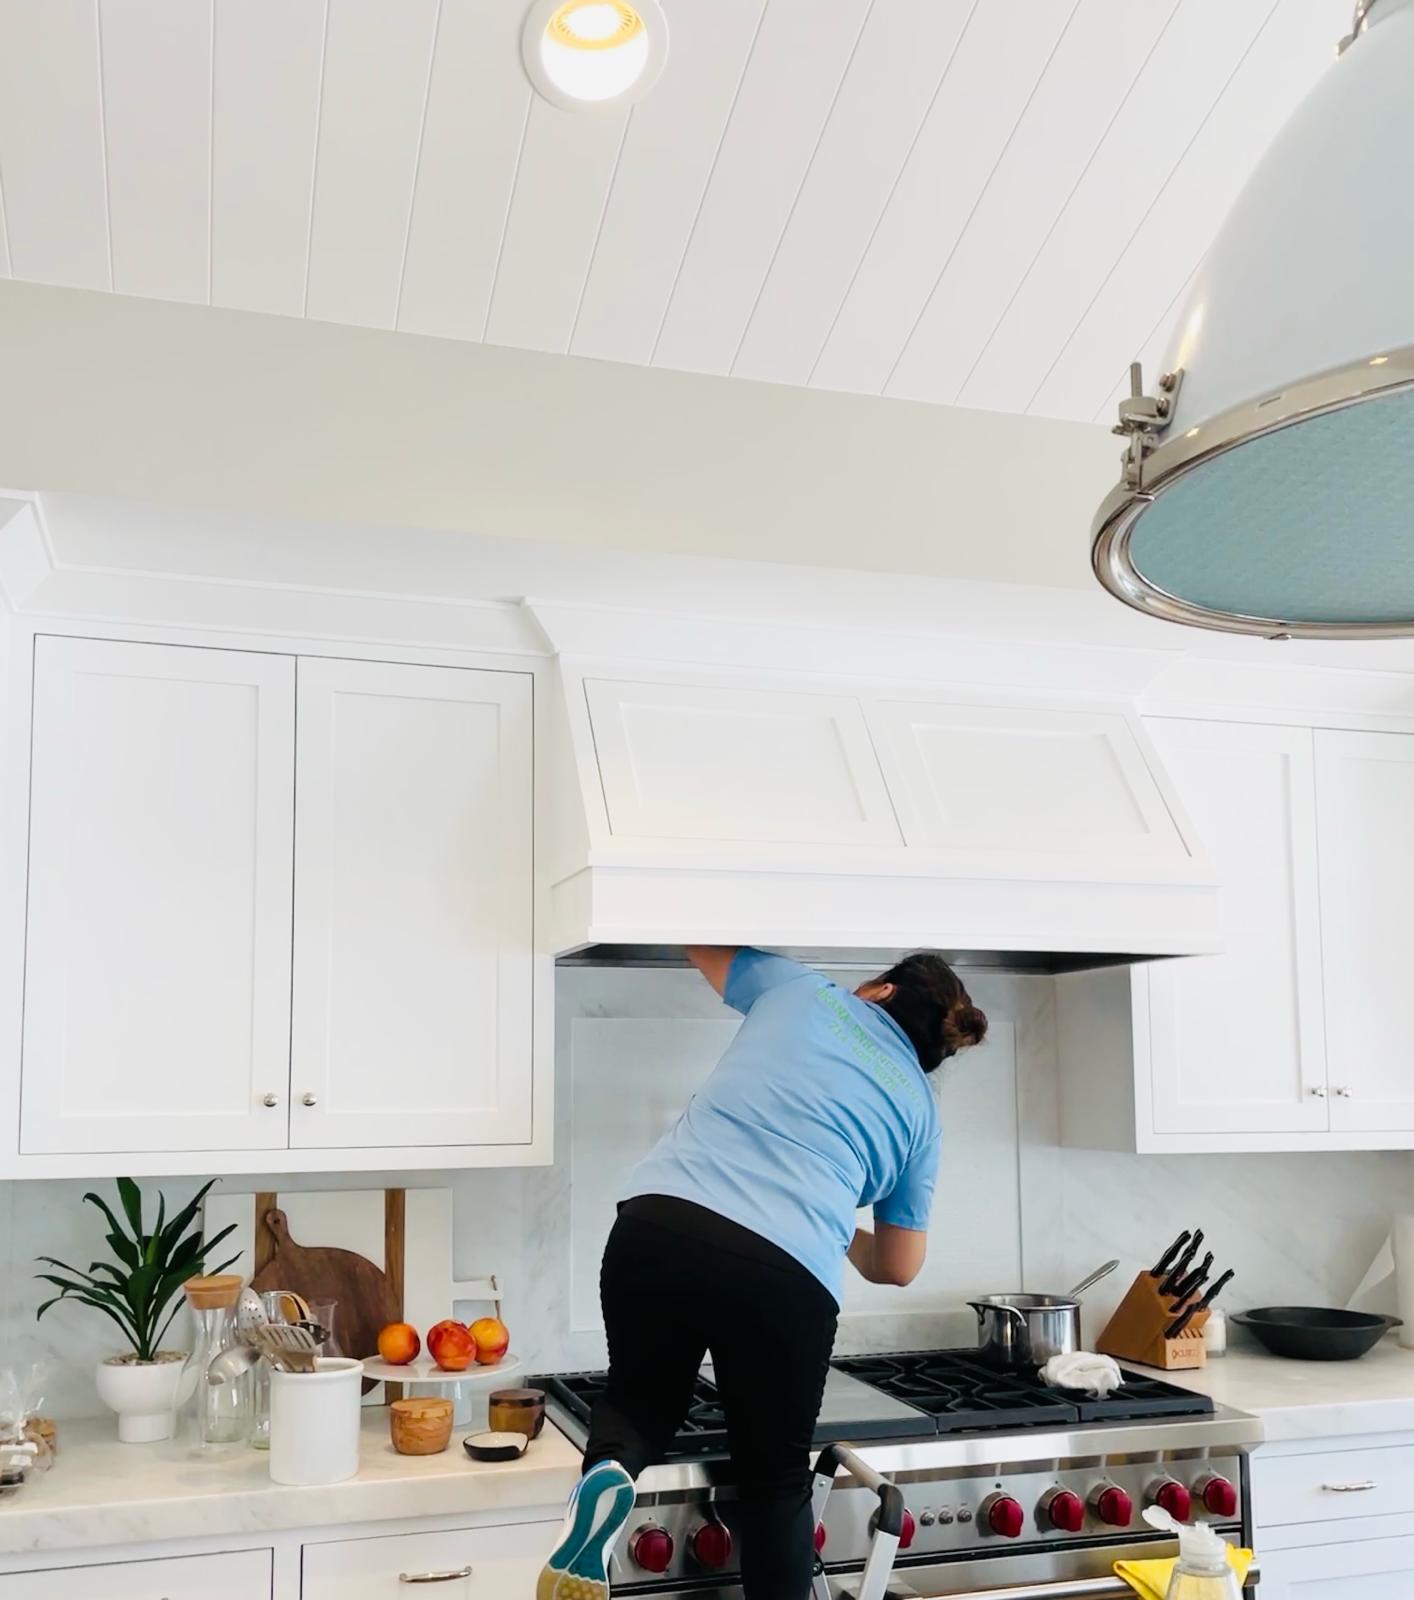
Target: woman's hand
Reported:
point(889, 1255)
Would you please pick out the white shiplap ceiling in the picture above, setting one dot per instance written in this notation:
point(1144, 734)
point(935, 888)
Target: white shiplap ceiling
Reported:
point(993, 203)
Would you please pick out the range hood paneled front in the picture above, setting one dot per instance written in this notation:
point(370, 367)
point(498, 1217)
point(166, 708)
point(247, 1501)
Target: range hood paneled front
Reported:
point(795, 811)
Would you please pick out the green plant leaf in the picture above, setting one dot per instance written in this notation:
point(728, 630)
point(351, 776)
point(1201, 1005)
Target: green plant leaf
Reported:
point(183, 1219)
point(154, 1240)
point(131, 1196)
point(121, 1246)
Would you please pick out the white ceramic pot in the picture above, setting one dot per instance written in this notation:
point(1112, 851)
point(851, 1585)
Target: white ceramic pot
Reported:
point(145, 1394)
point(314, 1422)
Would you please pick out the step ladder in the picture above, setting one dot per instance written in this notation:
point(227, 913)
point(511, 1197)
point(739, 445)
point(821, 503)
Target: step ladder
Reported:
point(888, 1521)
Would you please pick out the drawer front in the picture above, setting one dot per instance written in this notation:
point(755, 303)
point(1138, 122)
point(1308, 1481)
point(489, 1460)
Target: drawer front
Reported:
point(469, 1564)
point(241, 1575)
point(1333, 1485)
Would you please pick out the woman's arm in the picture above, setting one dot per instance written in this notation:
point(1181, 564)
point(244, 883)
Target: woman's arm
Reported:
point(713, 961)
point(889, 1255)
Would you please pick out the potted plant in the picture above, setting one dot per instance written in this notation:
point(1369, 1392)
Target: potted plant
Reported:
point(135, 1290)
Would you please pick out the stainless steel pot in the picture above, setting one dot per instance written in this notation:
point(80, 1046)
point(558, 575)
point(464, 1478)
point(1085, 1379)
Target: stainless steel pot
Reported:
point(1026, 1330)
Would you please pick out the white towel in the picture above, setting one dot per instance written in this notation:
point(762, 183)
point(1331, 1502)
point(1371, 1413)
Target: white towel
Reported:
point(1082, 1369)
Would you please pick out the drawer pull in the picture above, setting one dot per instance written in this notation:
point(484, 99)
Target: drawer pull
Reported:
point(434, 1577)
point(1350, 1488)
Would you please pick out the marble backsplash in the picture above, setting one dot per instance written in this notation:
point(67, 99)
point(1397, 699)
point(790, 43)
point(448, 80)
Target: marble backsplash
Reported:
point(1013, 1206)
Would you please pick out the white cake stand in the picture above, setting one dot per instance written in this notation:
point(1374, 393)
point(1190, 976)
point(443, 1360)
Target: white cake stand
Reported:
point(424, 1376)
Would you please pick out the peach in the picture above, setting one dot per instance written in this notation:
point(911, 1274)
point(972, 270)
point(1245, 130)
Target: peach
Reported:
point(398, 1344)
point(492, 1338)
point(451, 1346)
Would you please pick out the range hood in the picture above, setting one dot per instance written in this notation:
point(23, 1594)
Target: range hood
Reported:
point(850, 822)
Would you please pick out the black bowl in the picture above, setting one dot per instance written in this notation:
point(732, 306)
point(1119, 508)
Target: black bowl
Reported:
point(1315, 1333)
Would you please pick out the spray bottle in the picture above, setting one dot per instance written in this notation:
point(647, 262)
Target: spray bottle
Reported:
point(1202, 1571)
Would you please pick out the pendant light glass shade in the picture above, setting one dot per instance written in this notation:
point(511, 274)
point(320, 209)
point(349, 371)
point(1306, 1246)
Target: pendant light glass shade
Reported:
point(1269, 485)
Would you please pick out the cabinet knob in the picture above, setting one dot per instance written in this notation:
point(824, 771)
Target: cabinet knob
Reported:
point(1318, 1091)
point(309, 1100)
point(270, 1100)
point(1344, 1091)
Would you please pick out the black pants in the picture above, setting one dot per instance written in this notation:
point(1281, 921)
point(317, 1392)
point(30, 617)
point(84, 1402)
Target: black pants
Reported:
point(679, 1282)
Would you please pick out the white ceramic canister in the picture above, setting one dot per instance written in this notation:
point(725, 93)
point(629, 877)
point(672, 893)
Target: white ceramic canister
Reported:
point(314, 1422)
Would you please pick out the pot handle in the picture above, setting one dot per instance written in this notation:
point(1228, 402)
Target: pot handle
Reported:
point(982, 1307)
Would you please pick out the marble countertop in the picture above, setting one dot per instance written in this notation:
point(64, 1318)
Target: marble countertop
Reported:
point(100, 1492)
point(1313, 1399)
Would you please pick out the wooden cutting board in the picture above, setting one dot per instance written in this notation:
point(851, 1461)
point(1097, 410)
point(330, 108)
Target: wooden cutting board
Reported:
point(368, 1301)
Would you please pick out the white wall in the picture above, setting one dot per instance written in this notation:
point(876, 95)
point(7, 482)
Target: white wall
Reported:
point(1013, 1207)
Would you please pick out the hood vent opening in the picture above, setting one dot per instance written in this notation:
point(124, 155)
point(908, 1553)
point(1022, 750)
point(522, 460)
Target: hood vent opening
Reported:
point(866, 963)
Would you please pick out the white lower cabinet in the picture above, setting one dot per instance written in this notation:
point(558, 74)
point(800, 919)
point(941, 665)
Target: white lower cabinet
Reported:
point(1333, 1523)
point(238, 1575)
point(467, 1564)
point(1371, 1569)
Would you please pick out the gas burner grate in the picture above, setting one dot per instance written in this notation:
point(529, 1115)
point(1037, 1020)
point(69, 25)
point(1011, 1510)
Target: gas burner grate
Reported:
point(963, 1395)
point(703, 1432)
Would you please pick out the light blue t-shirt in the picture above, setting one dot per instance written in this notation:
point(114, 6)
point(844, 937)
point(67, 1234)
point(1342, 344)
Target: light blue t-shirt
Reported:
point(818, 1107)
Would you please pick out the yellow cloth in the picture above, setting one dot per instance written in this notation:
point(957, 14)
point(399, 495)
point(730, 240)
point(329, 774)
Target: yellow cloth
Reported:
point(1150, 1579)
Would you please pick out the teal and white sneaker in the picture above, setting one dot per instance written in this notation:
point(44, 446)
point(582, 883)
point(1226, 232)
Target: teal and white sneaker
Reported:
point(598, 1511)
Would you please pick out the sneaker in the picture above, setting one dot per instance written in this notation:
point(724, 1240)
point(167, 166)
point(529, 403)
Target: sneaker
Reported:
point(599, 1508)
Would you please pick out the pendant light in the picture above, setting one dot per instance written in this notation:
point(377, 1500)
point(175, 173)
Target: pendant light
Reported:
point(1268, 484)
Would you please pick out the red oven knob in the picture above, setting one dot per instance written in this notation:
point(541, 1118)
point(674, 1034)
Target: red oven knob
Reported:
point(907, 1528)
point(1065, 1511)
point(1219, 1497)
point(652, 1548)
point(1003, 1516)
point(711, 1545)
point(1113, 1506)
point(820, 1537)
point(1175, 1499)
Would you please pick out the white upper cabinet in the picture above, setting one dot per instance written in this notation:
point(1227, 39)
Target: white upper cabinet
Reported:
point(737, 765)
point(413, 908)
point(157, 961)
point(1236, 1040)
point(1365, 806)
point(1062, 786)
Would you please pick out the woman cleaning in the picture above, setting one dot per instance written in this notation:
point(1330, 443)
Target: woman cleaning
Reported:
point(733, 1234)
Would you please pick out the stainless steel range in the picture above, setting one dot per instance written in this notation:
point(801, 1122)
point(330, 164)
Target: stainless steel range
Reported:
point(1014, 1491)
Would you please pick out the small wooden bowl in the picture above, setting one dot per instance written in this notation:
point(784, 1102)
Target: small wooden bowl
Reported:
point(421, 1426)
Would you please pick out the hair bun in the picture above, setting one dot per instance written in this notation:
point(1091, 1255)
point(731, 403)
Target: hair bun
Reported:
point(966, 1025)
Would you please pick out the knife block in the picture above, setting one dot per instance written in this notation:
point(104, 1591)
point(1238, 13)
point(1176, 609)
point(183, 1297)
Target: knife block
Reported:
point(1136, 1331)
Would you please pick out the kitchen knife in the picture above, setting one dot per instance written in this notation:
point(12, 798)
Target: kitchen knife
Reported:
point(1194, 1281)
point(1169, 1256)
point(1181, 1267)
point(1181, 1321)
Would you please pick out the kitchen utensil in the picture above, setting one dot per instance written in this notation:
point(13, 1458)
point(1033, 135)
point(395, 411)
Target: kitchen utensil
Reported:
point(1189, 1312)
point(367, 1300)
point(1026, 1330)
point(294, 1307)
point(1169, 1256)
point(1194, 1281)
point(1315, 1333)
point(314, 1422)
point(1137, 1330)
point(250, 1313)
point(286, 1347)
point(1091, 1280)
point(495, 1446)
point(516, 1411)
point(1183, 1265)
point(420, 1426)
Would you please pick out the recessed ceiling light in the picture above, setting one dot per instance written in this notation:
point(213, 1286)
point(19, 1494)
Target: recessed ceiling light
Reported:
point(586, 53)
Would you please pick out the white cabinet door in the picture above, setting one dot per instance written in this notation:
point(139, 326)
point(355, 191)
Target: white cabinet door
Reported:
point(467, 1564)
point(728, 765)
point(239, 1575)
point(1371, 1569)
point(413, 907)
point(1365, 801)
point(1236, 1040)
point(157, 982)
